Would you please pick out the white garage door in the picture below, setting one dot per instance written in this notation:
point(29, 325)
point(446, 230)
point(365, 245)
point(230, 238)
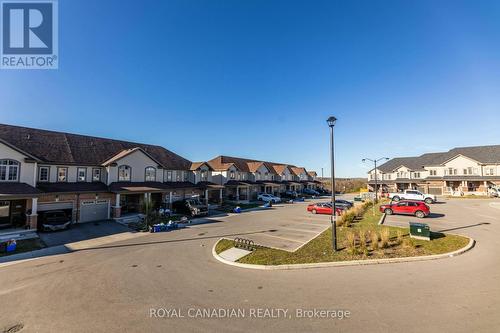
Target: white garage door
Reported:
point(93, 210)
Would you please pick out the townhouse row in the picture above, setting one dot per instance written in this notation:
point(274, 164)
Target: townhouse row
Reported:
point(93, 178)
point(459, 171)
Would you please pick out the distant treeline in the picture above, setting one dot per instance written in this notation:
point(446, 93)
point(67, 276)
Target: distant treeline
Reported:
point(347, 185)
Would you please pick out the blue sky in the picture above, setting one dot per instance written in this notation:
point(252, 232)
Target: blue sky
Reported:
point(258, 79)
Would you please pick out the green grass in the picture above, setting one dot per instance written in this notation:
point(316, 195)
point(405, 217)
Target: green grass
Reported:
point(320, 248)
point(223, 245)
point(25, 245)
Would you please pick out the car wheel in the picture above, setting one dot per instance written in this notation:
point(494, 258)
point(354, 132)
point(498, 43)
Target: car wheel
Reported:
point(428, 201)
point(396, 198)
point(314, 211)
point(419, 214)
point(388, 211)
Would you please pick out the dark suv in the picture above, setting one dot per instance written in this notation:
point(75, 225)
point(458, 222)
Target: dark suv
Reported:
point(54, 220)
point(191, 207)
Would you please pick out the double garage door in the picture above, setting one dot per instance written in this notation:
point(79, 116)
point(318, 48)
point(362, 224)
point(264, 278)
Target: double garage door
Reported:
point(90, 210)
point(94, 210)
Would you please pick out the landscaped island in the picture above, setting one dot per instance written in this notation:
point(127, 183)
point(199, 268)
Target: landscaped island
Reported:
point(359, 237)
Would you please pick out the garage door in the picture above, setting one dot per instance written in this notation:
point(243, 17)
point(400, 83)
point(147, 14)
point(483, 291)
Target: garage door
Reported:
point(436, 190)
point(93, 210)
point(42, 207)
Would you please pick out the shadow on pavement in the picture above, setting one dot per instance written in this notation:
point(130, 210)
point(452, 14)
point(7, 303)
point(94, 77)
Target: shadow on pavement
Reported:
point(465, 227)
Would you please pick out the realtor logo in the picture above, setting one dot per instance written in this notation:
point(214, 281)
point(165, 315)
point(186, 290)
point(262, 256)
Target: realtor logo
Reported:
point(29, 34)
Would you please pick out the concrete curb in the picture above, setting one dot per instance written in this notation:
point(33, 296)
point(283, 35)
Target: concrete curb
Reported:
point(382, 219)
point(455, 253)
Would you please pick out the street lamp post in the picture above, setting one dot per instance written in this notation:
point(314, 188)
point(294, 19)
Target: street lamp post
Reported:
point(333, 218)
point(375, 161)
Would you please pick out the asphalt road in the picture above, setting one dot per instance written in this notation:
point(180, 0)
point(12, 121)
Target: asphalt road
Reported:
point(116, 286)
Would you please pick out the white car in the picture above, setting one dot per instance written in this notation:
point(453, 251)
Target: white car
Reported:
point(266, 197)
point(413, 195)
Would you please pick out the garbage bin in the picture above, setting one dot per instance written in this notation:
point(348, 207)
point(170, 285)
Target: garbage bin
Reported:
point(420, 231)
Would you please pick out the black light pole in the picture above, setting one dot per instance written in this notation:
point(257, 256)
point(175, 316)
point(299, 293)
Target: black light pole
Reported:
point(333, 218)
point(375, 163)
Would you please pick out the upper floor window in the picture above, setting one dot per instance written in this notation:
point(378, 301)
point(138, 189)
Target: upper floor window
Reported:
point(204, 175)
point(232, 174)
point(257, 175)
point(81, 174)
point(43, 174)
point(416, 174)
point(124, 173)
point(185, 176)
point(169, 176)
point(433, 172)
point(150, 175)
point(178, 176)
point(62, 174)
point(450, 171)
point(489, 171)
point(96, 175)
point(9, 170)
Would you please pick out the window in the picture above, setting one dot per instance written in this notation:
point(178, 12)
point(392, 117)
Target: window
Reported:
point(185, 176)
point(489, 172)
point(124, 173)
point(232, 174)
point(43, 174)
point(81, 174)
point(62, 174)
point(204, 175)
point(150, 174)
point(96, 175)
point(169, 176)
point(9, 170)
point(178, 176)
point(433, 172)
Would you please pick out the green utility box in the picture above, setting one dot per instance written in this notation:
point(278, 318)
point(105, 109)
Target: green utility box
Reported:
point(420, 231)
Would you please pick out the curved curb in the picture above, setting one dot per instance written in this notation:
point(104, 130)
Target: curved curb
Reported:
point(455, 253)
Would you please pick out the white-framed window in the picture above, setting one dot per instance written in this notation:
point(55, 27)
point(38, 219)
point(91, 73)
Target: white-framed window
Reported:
point(9, 170)
point(124, 173)
point(150, 174)
point(96, 174)
point(232, 174)
point(43, 173)
point(416, 174)
point(489, 171)
point(433, 172)
point(185, 176)
point(62, 174)
point(169, 176)
point(204, 175)
point(257, 175)
point(178, 176)
point(81, 174)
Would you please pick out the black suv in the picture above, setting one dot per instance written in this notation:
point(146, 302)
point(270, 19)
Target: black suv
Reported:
point(191, 207)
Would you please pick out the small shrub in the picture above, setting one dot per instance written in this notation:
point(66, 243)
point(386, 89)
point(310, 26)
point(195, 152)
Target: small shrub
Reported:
point(374, 238)
point(400, 235)
point(351, 242)
point(409, 243)
point(362, 239)
point(385, 237)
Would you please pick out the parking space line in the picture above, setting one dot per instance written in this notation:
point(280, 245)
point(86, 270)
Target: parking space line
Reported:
point(284, 238)
point(487, 216)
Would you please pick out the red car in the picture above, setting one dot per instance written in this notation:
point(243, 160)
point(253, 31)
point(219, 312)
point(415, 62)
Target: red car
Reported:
point(323, 208)
point(406, 207)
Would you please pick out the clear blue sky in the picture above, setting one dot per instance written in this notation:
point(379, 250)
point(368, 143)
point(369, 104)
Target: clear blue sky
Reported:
point(259, 78)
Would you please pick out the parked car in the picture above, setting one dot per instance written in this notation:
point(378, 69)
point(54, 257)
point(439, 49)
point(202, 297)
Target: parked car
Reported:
point(322, 191)
point(323, 208)
point(289, 194)
point(494, 192)
point(310, 191)
point(266, 197)
point(191, 207)
point(343, 203)
point(54, 220)
point(413, 195)
point(407, 207)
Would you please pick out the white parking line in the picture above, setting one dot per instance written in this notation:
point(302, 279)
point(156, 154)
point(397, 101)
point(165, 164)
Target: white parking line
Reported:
point(284, 238)
point(300, 230)
point(487, 216)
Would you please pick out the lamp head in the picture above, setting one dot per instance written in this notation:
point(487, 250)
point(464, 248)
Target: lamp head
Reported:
point(331, 121)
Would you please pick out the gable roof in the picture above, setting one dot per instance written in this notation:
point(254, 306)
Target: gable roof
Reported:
point(312, 173)
point(74, 149)
point(482, 154)
point(298, 170)
point(127, 152)
point(197, 165)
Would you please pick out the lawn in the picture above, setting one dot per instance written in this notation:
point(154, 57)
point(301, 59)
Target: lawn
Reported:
point(229, 207)
point(25, 245)
point(362, 239)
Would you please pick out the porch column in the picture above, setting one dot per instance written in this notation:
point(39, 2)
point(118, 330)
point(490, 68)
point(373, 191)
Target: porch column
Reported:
point(237, 193)
point(220, 196)
point(170, 199)
point(33, 218)
point(206, 197)
point(117, 210)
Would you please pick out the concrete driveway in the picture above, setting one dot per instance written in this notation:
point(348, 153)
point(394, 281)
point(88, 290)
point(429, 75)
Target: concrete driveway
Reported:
point(83, 231)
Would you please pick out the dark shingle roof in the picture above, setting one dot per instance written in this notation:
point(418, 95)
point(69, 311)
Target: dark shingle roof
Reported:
point(482, 154)
point(66, 148)
point(13, 189)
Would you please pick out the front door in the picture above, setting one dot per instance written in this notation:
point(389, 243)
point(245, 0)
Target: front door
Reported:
point(130, 203)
